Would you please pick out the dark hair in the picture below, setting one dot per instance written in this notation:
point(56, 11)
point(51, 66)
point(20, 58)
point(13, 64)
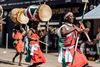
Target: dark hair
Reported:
point(17, 28)
point(34, 25)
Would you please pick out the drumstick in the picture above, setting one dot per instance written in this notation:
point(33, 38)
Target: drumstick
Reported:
point(2, 20)
point(84, 32)
point(83, 27)
point(43, 42)
point(77, 40)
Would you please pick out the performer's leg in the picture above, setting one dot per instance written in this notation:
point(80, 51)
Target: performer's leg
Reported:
point(13, 60)
point(20, 59)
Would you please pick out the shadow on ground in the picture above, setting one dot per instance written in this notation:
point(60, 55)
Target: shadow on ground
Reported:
point(10, 62)
point(5, 62)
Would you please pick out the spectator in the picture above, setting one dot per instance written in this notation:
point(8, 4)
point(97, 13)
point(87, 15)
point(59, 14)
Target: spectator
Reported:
point(98, 44)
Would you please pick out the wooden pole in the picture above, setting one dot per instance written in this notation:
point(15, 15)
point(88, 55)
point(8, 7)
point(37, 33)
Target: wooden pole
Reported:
point(84, 32)
point(6, 43)
point(82, 21)
point(0, 34)
point(1, 23)
point(47, 25)
point(77, 40)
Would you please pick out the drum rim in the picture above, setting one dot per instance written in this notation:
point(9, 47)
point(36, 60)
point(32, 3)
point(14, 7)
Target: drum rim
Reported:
point(21, 11)
point(39, 12)
point(14, 19)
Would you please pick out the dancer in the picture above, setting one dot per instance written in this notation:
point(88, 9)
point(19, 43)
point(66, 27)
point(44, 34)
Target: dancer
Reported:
point(17, 35)
point(35, 55)
point(68, 34)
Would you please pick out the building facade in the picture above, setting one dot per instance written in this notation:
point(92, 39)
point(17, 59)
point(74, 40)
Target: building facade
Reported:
point(59, 8)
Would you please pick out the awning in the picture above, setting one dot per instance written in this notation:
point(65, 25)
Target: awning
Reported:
point(93, 14)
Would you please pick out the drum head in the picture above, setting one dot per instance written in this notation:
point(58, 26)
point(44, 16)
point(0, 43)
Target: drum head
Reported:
point(1, 11)
point(21, 18)
point(44, 12)
point(14, 14)
point(18, 17)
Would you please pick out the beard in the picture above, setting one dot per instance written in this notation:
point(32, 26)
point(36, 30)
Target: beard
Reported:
point(72, 21)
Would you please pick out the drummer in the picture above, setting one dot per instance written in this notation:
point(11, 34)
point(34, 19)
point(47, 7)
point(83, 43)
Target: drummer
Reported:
point(35, 56)
point(17, 35)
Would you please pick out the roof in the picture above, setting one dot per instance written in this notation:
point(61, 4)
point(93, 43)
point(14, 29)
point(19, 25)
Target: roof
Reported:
point(93, 14)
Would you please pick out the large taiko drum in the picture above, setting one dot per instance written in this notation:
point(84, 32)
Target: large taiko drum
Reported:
point(31, 12)
point(18, 17)
point(14, 14)
point(1, 11)
point(21, 18)
point(44, 12)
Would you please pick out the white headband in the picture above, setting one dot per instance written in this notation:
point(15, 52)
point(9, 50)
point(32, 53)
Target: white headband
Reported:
point(67, 14)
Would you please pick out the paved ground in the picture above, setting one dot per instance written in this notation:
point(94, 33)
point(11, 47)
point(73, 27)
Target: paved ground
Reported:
point(6, 57)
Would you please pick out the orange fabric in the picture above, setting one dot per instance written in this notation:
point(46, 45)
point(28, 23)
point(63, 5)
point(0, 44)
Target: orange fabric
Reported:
point(35, 38)
point(19, 45)
point(38, 57)
point(79, 59)
point(18, 35)
point(70, 40)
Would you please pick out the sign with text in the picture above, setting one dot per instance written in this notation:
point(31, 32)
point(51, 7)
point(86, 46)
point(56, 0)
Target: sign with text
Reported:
point(64, 10)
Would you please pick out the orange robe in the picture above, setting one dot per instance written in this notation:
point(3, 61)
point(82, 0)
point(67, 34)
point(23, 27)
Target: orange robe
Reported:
point(19, 44)
point(38, 55)
point(79, 59)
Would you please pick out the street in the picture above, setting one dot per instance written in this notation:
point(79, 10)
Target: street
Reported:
point(7, 54)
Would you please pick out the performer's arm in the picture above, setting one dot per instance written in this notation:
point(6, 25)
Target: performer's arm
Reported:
point(81, 30)
point(29, 33)
point(98, 38)
point(64, 30)
point(23, 31)
point(13, 34)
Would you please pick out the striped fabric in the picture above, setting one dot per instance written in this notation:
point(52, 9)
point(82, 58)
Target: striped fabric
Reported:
point(31, 11)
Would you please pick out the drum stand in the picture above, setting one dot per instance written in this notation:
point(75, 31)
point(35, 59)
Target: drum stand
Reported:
point(47, 25)
point(1, 23)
